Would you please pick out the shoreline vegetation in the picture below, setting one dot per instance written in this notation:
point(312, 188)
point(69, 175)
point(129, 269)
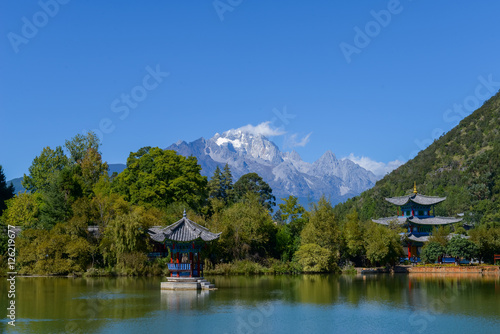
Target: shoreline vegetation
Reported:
point(75, 219)
point(246, 268)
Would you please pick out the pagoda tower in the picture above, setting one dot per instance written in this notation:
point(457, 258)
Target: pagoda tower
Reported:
point(416, 214)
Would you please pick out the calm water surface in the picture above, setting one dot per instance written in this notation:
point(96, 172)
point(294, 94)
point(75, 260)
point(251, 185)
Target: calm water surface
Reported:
point(262, 304)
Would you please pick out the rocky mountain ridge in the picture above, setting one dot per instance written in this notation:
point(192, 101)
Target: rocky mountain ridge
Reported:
point(286, 172)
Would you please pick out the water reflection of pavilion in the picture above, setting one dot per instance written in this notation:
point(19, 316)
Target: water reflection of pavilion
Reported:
point(183, 299)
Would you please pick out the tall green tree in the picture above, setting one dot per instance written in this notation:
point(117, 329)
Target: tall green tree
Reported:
point(290, 209)
point(354, 238)
point(431, 251)
point(62, 191)
point(247, 230)
point(52, 252)
point(215, 188)
point(227, 184)
point(322, 228)
point(461, 248)
point(23, 210)
point(80, 144)
point(487, 241)
point(157, 177)
point(220, 188)
point(6, 191)
point(253, 183)
point(125, 234)
point(288, 236)
point(43, 167)
point(91, 170)
point(383, 245)
point(316, 259)
point(284, 243)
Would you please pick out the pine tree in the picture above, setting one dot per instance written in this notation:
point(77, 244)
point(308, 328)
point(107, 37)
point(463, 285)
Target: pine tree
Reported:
point(220, 185)
point(6, 191)
point(227, 184)
point(253, 183)
point(215, 184)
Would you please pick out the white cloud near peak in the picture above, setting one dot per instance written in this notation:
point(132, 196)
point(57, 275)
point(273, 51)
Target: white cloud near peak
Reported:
point(263, 129)
point(376, 167)
point(266, 129)
point(291, 141)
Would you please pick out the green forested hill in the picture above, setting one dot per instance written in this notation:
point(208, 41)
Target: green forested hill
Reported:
point(463, 165)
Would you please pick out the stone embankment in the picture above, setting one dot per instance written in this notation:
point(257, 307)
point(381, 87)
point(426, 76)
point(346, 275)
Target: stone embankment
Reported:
point(483, 270)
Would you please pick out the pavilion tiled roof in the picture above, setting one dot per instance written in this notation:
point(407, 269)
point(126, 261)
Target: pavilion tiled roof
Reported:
point(425, 238)
point(418, 238)
point(184, 230)
point(416, 198)
point(417, 220)
point(387, 220)
point(434, 220)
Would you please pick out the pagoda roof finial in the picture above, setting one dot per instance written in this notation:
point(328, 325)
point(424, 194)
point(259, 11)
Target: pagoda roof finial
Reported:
point(184, 214)
point(414, 187)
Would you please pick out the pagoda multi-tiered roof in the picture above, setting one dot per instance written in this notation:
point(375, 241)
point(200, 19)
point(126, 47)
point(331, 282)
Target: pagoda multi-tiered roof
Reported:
point(416, 210)
point(415, 198)
point(416, 214)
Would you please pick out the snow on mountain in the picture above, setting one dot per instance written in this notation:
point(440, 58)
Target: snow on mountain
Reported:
point(286, 172)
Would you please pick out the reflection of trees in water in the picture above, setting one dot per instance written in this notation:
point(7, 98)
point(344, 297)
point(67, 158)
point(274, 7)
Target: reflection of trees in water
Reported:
point(60, 304)
point(53, 304)
point(461, 293)
point(469, 294)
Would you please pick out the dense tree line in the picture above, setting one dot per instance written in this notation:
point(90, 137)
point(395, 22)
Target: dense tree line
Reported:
point(75, 218)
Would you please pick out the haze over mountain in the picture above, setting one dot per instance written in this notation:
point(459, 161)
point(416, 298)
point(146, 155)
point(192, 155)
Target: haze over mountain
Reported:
point(248, 151)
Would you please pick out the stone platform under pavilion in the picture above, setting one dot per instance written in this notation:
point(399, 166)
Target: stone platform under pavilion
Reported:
point(187, 283)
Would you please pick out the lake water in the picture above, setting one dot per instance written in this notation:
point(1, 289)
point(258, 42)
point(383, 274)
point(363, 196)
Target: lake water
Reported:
point(260, 304)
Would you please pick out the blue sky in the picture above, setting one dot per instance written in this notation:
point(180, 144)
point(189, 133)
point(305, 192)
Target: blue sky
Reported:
point(374, 80)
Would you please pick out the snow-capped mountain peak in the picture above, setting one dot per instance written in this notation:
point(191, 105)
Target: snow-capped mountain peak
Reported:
point(285, 172)
point(246, 143)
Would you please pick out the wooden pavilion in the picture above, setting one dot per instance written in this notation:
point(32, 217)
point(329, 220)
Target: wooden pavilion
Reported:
point(184, 240)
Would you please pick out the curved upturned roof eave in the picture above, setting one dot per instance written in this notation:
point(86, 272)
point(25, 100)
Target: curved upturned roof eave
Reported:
point(184, 230)
point(416, 198)
point(387, 220)
point(434, 220)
